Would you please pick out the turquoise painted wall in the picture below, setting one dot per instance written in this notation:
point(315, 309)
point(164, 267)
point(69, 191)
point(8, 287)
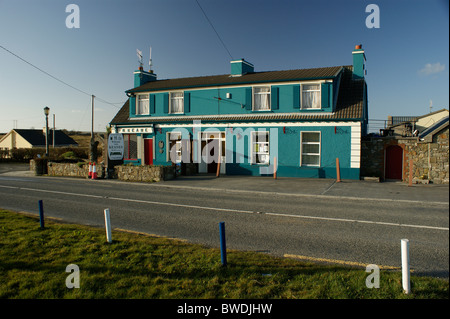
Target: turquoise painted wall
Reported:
point(335, 143)
point(284, 99)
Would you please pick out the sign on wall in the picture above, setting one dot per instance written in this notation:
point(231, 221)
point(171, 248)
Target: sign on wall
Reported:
point(115, 146)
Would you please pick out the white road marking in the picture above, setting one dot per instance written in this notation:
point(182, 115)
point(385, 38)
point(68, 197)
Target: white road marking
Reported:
point(228, 209)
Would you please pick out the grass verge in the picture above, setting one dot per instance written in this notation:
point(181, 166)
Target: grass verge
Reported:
point(33, 264)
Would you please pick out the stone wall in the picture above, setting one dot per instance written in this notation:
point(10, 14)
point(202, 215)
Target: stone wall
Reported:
point(130, 173)
point(72, 170)
point(144, 173)
point(122, 172)
point(430, 159)
point(372, 157)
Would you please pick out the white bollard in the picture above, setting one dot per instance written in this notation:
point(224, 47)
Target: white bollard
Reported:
point(405, 266)
point(108, 226)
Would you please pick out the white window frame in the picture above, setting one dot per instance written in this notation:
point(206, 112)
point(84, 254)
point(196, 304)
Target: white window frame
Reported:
point(320, 95)
point(260, 148)
point(178, 146)
point(139, 98)
point(170, 101)
point(310, 143)
point(265, 93)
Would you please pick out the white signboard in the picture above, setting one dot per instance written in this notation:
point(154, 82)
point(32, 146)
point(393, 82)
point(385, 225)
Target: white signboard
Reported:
point(115, 146)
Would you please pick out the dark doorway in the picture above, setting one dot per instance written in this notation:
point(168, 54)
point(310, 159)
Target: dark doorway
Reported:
point(148, 151)
point(394, 162)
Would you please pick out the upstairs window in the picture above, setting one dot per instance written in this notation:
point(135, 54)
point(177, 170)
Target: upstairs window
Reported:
point(142, 106)
point(261, 98)
point(310, 96)
point(176, 102)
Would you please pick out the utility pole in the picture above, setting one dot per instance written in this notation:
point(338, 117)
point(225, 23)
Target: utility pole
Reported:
point(92, 126)
point(93, 148)
point(53, 130)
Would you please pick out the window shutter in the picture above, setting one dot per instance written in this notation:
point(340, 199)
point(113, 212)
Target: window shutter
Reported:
point(187, 102)
point(274, 97)
point(296, 96)
point(152, 103)
point(166, 102)
point(326, 95)
point(248, 98)
point(132, 105)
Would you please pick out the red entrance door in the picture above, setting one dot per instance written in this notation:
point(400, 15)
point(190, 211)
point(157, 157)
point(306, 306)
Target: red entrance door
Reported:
point(148, 151)
point(394, 162)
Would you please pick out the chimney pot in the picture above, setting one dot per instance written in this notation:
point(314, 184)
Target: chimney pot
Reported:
point(358, 47)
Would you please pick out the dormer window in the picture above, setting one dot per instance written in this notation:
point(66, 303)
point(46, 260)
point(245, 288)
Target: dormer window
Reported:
point(176, 103)
point(310, 96)
point(261, 98)
point(142, 106)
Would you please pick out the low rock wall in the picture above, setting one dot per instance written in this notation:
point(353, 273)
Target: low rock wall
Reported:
point(122, 172)
point(144, 173)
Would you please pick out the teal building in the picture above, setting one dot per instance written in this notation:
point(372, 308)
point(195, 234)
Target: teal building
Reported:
point(295, 122)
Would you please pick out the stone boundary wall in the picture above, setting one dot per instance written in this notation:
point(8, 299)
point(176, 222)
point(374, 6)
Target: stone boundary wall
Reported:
point(144, 173)
point(72, 170)
point(430, 160)
point(122, 172)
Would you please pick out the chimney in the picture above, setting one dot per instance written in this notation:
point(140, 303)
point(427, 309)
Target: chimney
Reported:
point(141, 77)
point(359, 63)
point(241, 67)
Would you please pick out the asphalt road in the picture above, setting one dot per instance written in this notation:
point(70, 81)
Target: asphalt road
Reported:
point(338, 228)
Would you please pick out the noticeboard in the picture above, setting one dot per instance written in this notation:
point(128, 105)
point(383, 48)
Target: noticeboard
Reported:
point(115, 146)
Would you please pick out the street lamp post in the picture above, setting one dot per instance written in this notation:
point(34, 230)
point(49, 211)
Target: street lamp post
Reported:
point(46, 112)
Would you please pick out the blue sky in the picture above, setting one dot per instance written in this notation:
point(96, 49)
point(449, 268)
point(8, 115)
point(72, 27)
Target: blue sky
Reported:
point(407, 57)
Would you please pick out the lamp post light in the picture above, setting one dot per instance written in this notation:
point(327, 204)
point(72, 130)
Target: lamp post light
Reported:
point(46, 112)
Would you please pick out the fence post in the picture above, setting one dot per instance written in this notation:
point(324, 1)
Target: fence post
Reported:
point(275, 168)
point(405, 266)
point(41, 214)
point(223, 244)
point(108, 226)
point(410, 172)
point(218, 168)
point(338, 171)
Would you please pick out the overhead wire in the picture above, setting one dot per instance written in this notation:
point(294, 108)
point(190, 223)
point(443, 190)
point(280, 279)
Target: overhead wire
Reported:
point(212, 26)
point(57, 79)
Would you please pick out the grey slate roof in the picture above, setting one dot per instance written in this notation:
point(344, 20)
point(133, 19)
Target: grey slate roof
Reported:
point(37, 137)
point(226, 79)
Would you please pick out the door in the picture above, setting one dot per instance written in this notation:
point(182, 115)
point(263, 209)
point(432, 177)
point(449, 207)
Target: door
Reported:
point(148, 151)
point(394, 162)
point(212, 149)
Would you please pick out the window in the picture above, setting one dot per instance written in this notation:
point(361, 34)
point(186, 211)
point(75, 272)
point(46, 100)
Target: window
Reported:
point(260, 148)
point(174, 147)
point(310, 96)
point(261, 98)
point(130, 146)
point(177, 102)
point(142, 106)
point(310, 149)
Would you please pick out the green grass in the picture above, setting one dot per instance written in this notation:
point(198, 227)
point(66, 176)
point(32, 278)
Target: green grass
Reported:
point(33, 263)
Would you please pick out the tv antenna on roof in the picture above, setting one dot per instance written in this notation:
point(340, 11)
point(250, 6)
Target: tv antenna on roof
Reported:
point(139, 54)
point(150, 60)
